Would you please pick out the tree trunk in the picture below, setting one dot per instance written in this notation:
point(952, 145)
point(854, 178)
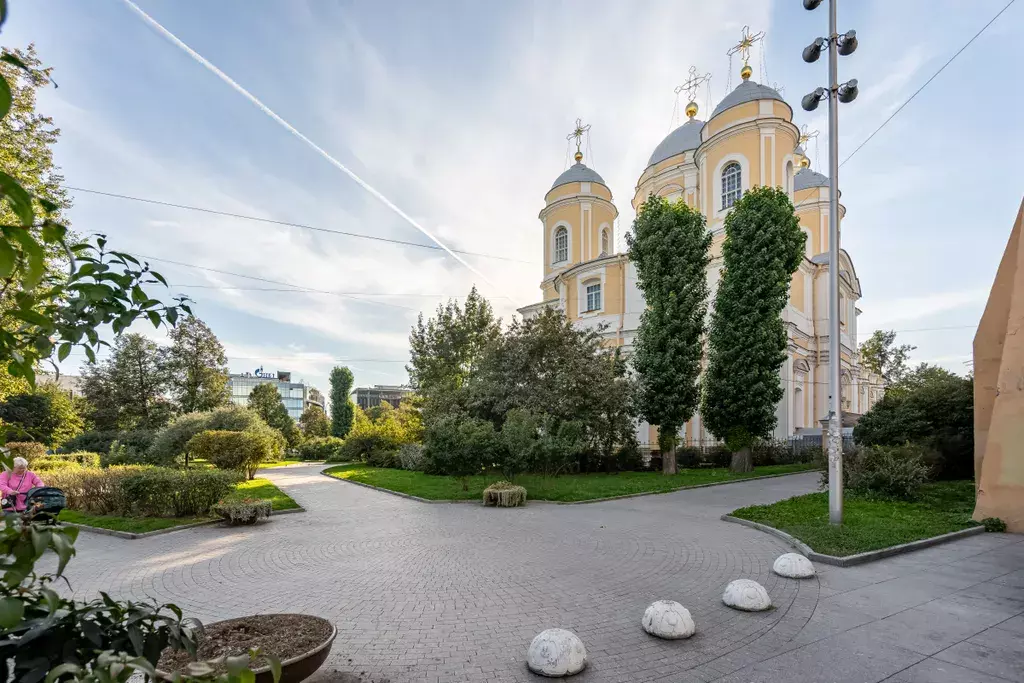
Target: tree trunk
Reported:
point(668, 460)
point(742, 460)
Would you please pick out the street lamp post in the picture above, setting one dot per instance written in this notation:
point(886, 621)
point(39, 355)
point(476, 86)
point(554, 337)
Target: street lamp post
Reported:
point(837, 45)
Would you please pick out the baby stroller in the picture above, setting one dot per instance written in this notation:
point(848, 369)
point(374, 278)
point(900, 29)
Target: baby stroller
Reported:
point(44, 503)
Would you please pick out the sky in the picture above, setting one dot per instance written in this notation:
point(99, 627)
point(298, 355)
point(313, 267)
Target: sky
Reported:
point(457, 112)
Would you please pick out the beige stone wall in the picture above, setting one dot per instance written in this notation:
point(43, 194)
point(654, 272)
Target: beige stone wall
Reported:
point(999, 392)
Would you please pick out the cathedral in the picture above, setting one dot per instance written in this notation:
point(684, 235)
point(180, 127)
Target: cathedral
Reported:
point(748, 140)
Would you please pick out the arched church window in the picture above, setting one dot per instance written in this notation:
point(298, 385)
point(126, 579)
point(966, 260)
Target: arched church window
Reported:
point(732, 185)
point(561, 245)
point(593, 297)
point(789, 178)
point(605, 242)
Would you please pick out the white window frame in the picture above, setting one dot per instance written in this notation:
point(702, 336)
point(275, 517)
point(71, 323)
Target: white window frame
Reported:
point(555, 261)
point(587, 287)
point(732, 193)
point(590, 277)
point(605, 240)
point(716, 186)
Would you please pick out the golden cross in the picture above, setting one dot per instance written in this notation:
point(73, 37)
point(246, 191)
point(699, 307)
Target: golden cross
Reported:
point(806, 135)
point(578, 134)
point(692, 83)
point(746, 42)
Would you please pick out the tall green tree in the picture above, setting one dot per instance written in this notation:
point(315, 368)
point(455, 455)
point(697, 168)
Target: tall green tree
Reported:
point(670, 247)
point(446, 350)
point(341, 404)
point(763, 247)
point(129, 390)
point(266, 401)
point(198, 367)
point(314, 422)
point(882, 356)
point(46, 415)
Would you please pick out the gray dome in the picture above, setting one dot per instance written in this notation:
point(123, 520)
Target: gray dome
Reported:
point(578, 173)
point(806, 178)
point(682, 139)
point(747, 91)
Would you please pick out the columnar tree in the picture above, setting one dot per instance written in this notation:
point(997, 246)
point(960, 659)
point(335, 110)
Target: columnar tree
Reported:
point(763, 247)
point(670, 247)
point(341, 405)
point(198, 367)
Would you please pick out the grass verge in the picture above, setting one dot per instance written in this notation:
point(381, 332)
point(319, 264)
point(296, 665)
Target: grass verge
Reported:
point(282, 463)
point(869, 524)
point(257, 488)
point(564, 488)
point(264, 490)
point(134, 525)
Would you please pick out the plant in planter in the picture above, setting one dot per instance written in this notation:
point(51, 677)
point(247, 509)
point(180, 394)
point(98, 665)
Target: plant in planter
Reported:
point(504, 494)
point(244, 511)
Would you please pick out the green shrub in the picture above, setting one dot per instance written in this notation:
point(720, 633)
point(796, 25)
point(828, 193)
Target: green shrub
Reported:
point(170, 444)
point(382, 458)
point(884, 472)
point(321, 448)
point(410, 456)
point(138, 440)
point(240, 451)
point(378, 437)
point(770, 452)
point(994, 524)
point(244, 511)
point(460, 446)
point(44, 466)
point(58, 461)
point(142, 490)
point(30, 450)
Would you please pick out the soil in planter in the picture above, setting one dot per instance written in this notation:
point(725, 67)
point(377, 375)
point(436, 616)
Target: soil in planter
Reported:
point(282, 635)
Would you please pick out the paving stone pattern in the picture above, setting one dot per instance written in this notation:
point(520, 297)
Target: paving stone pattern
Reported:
point(446, 593)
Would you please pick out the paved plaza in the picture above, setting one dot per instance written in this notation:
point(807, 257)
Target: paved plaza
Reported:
point(455, 592)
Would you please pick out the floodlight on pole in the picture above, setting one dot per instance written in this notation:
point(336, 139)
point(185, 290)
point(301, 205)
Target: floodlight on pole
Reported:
point(844, 44)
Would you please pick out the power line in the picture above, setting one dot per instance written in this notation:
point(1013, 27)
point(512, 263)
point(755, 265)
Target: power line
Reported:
point(292, 289)
point(304, 358)
point(289, 223)
point(934, 75)
point(212, 68)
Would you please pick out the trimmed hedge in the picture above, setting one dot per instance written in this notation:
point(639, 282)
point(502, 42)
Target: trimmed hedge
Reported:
point(241, 451)
point(60, 461)
point(321, 448)
point(171, 442)
point(136, 490)
point(30, 450)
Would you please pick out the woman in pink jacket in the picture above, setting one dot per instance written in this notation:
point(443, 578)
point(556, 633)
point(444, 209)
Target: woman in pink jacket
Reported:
point(17, 482)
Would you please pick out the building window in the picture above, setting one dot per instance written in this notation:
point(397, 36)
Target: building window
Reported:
point(561, 245)
point(732, 186)
point(789, 178)
point(593, 297)
point(605, 242)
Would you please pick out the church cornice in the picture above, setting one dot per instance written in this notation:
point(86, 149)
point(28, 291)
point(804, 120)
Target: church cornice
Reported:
point(576, 199)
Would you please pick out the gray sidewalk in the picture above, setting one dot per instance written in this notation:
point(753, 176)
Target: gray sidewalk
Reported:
point(456, 592)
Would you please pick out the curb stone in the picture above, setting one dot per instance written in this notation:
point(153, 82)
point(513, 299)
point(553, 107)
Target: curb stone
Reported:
point(568, 502)
point(128, 535)
point(859, 558)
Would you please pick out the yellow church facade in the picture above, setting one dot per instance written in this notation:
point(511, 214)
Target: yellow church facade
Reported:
point(749, 140)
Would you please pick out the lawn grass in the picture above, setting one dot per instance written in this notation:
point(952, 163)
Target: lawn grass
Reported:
point(565, 487)
point(282, 463)
point(264, 490)
point(256, 488)
point(869, 524)
point(134, 525)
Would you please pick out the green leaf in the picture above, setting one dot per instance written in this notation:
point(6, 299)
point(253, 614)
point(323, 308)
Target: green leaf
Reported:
point(63, 351)
point(154, 318)
point(58, 672)
point(52, 232)
point(31, 316)
point(90, 354)
point(19, 199)
point(15, 60)
point(62, 546)
point(33, 253)
point(5, 96)
point(8, 257)
point(3, 12)
point(237, 664)
point(172, 315)
point(159, 277)
point(40, 540)
point(247, 676)
point(11, 612)
point(275, 666)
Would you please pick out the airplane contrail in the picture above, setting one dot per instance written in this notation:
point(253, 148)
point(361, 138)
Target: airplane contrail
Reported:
point(294, 131)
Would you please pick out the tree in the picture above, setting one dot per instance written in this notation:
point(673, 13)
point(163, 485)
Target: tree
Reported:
point(763, 247)
point(266, 401)
point(447, 350)
point(881, 355)
point(341, 405)
point(198, 367)
point(314, 422)
point(129, 389)
point(931, 407)
point(669, 246)
point(46, 415)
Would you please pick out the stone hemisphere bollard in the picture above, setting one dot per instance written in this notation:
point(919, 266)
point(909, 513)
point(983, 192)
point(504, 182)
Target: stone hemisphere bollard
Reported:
point(668, 619)
point(556, 652)
point(746, 595)
point(793, 566)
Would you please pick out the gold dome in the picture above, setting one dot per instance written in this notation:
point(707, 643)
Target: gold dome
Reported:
point(691, 109)
point(746, 72)
point(578, 156)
